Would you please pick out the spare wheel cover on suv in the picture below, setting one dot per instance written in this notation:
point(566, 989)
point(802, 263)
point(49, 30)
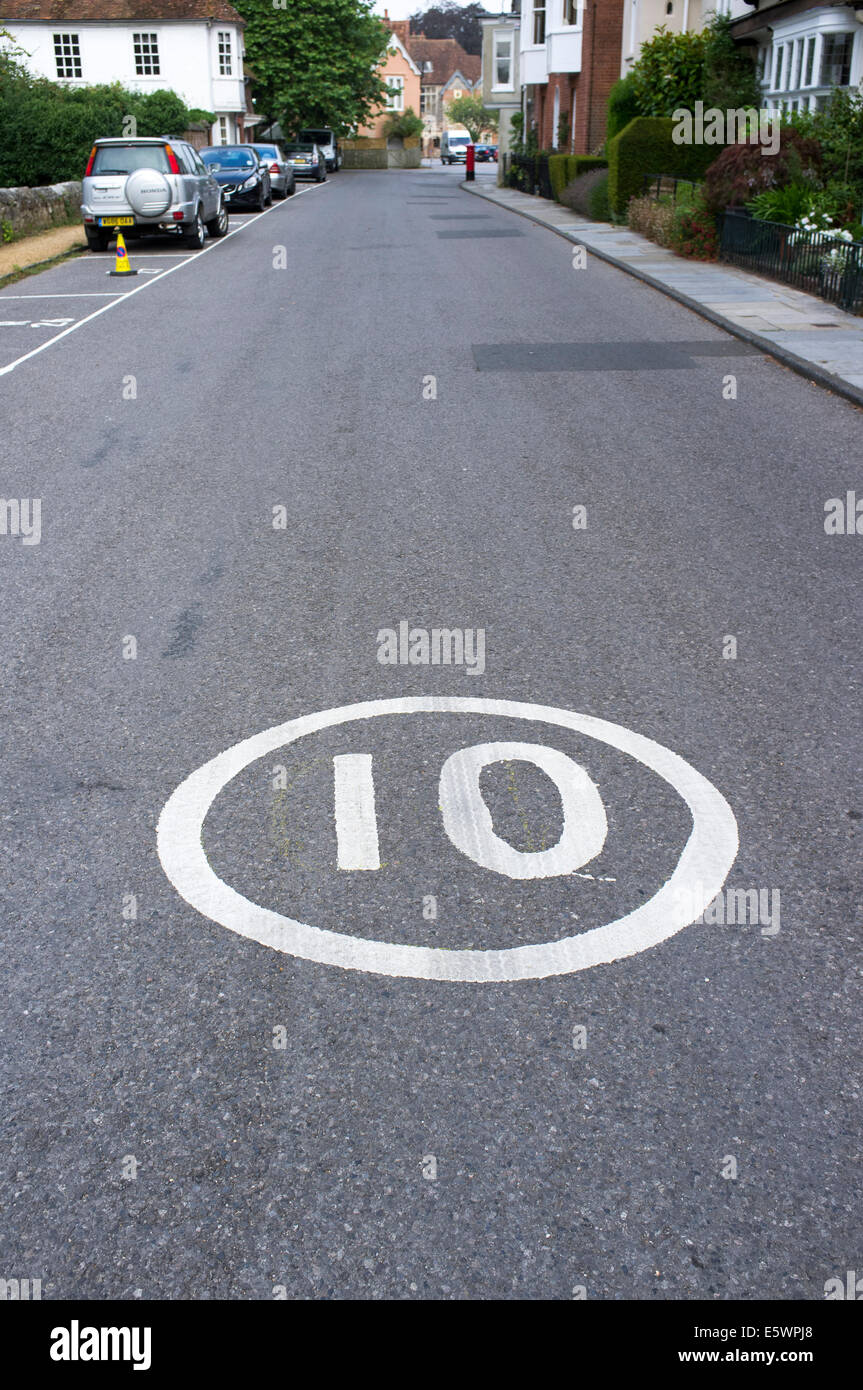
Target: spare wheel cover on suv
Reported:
point(148, 192)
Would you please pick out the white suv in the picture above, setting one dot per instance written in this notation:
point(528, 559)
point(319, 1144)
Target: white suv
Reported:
point(155, 184)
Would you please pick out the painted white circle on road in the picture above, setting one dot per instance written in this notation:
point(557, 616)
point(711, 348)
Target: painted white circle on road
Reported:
point(701, 870)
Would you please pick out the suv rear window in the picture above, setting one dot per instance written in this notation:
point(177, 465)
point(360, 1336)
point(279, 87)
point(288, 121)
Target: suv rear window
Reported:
point(125, 159)
point(317, 137)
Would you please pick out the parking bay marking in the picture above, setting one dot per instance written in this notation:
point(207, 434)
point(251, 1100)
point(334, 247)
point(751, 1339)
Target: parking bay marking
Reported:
point(34, 352)
point(701, 871)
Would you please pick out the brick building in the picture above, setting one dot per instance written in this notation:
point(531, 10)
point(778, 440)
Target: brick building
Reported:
point(570, 57)
point(447, 72)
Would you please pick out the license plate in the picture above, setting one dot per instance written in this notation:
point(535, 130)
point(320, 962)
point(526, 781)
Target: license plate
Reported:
point(116, 221)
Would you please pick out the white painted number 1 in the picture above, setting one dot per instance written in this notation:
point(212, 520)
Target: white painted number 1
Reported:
point(466, 817)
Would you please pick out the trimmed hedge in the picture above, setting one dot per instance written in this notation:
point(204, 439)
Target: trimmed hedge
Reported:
point(563, 168)
point(645, 147)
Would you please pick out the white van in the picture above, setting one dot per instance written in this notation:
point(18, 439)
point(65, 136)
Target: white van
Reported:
point(453, 145)
point(327, 142)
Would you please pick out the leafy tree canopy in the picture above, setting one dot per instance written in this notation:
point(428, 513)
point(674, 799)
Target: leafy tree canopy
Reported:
point(314, 62)
point(476, 118)
point(677, 70)
point(447, 20)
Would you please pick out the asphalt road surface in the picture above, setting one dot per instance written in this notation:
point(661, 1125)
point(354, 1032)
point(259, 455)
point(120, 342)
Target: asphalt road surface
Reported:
point(369, 1019)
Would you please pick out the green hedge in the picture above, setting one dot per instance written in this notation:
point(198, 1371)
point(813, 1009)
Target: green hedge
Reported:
point(563, 168)
point(645, 147)
point(48, 129)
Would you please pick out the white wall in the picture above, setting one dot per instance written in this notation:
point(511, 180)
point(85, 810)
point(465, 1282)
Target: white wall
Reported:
point(188, 58)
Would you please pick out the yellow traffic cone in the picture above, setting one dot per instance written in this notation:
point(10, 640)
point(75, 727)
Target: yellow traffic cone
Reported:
point(121, 263)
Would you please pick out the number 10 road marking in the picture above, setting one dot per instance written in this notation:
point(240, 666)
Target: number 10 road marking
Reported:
point(701, 870)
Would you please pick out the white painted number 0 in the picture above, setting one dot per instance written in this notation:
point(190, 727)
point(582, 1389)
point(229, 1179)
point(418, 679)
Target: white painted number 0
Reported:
point(466, 817)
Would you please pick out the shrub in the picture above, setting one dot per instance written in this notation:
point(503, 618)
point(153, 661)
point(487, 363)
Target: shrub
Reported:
point(406, 126)
point(786, 205)
point(693, 231)
point(653, 218)
point(597, 199)
point(743, 171)
point(557, 173)
point(577, 194)
point(622, 106)
point(564, 168)
point(48, 129)
point(645, 147)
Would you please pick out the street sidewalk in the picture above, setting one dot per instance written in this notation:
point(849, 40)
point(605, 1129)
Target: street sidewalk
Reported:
point(804, 333)
point(42, 246)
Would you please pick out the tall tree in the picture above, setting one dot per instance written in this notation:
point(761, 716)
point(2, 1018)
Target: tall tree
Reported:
point(314, 62)
point(447, 20)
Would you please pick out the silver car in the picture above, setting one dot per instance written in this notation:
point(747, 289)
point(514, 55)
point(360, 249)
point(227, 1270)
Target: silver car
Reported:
point(281, 172)
point(154, 184)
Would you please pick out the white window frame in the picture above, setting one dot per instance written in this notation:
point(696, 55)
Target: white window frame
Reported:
point(508, 36)
point(145, 53)
point(225, 50)
point(540, 19)
point(67, 51)
point(793, 78)
point(395, 93)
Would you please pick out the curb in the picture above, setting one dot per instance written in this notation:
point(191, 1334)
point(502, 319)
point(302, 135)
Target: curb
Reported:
point(800, 365)
point(20, 270)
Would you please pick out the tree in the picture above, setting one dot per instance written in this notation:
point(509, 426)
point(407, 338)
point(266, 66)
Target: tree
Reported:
point(315, 62)
point(447, 20)
point(674, 71)
point(476, 118)
point(730, 80)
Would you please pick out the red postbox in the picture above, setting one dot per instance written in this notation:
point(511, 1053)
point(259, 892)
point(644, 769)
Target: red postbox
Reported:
point(470, 163)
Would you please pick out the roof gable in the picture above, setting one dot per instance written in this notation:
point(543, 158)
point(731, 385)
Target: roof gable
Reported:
point(112, 11)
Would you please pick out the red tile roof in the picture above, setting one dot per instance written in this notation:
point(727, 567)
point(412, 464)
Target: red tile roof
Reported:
point(445, 55)
point(92, 11)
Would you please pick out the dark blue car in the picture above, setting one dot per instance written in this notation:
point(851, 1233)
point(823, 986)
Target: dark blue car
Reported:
point(242, 174)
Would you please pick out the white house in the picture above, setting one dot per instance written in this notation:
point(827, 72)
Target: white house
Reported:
point(192, 47)
point(805, 50)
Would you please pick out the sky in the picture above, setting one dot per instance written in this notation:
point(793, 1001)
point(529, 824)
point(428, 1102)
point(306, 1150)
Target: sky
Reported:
point(403, 9)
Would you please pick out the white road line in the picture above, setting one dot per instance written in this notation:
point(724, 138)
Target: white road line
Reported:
point(14, 323)
point(356, 822)
point(87, 294)
point(145, 284)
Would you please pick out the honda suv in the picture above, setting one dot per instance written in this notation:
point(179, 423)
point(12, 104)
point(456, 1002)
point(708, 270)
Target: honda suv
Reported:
point(150, 185)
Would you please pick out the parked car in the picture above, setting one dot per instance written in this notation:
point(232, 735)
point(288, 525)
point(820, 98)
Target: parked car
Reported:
point(281, 172)
point(145, 185)
point(242, 174)
point(484, 154)
point(327, 142)
point(307, 159)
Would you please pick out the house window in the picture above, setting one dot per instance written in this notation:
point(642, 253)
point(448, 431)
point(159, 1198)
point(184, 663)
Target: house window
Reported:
point(836, 60)
point(223, 130)
point(503, 60)
point(539, 21)
point(395, 93)
point(570, 11)
point(424, 101)
point(146, 51)
point(225, 63)
point(780, 61)
point(68, 55)
point(809, 71)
